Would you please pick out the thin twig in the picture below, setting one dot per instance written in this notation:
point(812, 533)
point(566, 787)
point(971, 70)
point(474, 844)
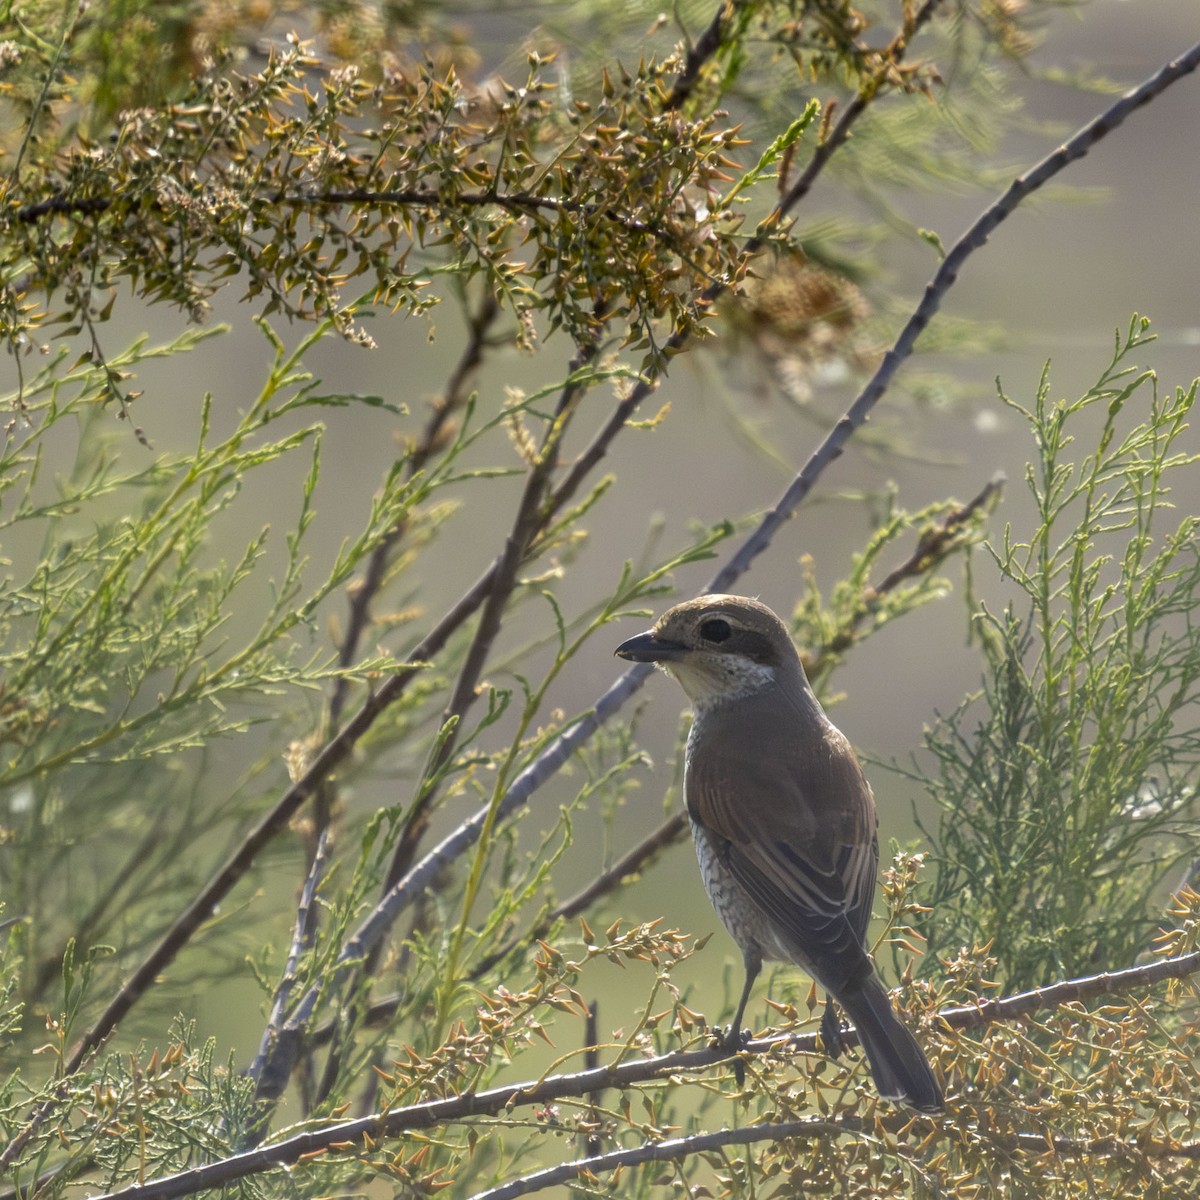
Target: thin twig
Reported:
point(591, 1060)
point(434, 1113)
point(451, 401)
point(523, 203)
point(944, 278)
point(530, 519)
point(1055, 995)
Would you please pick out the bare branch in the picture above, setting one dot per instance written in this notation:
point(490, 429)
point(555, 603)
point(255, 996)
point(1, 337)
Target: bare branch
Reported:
point(1055, 995)
point(444, 408)
point(665, 1151)
point(530, 519)
point(300, 936)
point(975, 237)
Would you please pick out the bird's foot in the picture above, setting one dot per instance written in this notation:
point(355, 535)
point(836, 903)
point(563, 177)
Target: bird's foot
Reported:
point(732, 1041)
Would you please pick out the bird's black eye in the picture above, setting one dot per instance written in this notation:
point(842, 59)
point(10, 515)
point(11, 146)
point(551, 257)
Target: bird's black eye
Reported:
point(715, 630)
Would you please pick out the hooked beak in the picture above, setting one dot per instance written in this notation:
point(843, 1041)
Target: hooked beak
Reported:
point(646, 647)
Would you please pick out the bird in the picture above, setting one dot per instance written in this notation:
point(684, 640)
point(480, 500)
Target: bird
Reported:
point(784, 823)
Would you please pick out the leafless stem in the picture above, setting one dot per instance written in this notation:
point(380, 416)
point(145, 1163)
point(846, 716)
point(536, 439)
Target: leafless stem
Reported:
point(300, 938)
point(591, 1060)
point(946, 275)
point(628, 865)
point(527, 522)
point(811, 1127)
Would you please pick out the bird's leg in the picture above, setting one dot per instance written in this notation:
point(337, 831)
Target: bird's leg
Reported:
point(735, 1036)
point(831, 1030)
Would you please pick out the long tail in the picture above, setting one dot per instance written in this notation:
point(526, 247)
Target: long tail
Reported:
point(898, 1064)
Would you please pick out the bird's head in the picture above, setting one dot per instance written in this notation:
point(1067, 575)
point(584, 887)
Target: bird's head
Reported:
point(719, 648)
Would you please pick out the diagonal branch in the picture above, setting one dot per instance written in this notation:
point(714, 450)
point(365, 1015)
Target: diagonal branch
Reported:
point(944, 278)
point(628, 865)
point(300, 935)
point(931, 548)
point(532, 517)
point(275, 1062)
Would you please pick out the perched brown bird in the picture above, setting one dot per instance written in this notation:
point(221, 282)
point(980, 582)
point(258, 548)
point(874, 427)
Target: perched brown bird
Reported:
point(784, 822)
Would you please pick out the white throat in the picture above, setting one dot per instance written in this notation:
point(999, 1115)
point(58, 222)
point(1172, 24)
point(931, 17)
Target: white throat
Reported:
point(715, 679)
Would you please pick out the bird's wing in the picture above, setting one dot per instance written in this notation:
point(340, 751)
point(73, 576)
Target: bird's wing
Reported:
point(795, 825)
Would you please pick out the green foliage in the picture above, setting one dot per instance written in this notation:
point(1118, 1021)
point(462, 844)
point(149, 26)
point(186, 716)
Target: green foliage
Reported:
point(1067, 788)
point(144, 1113)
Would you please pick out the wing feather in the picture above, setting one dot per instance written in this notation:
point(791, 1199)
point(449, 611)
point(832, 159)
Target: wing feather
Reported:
point(795, 824)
